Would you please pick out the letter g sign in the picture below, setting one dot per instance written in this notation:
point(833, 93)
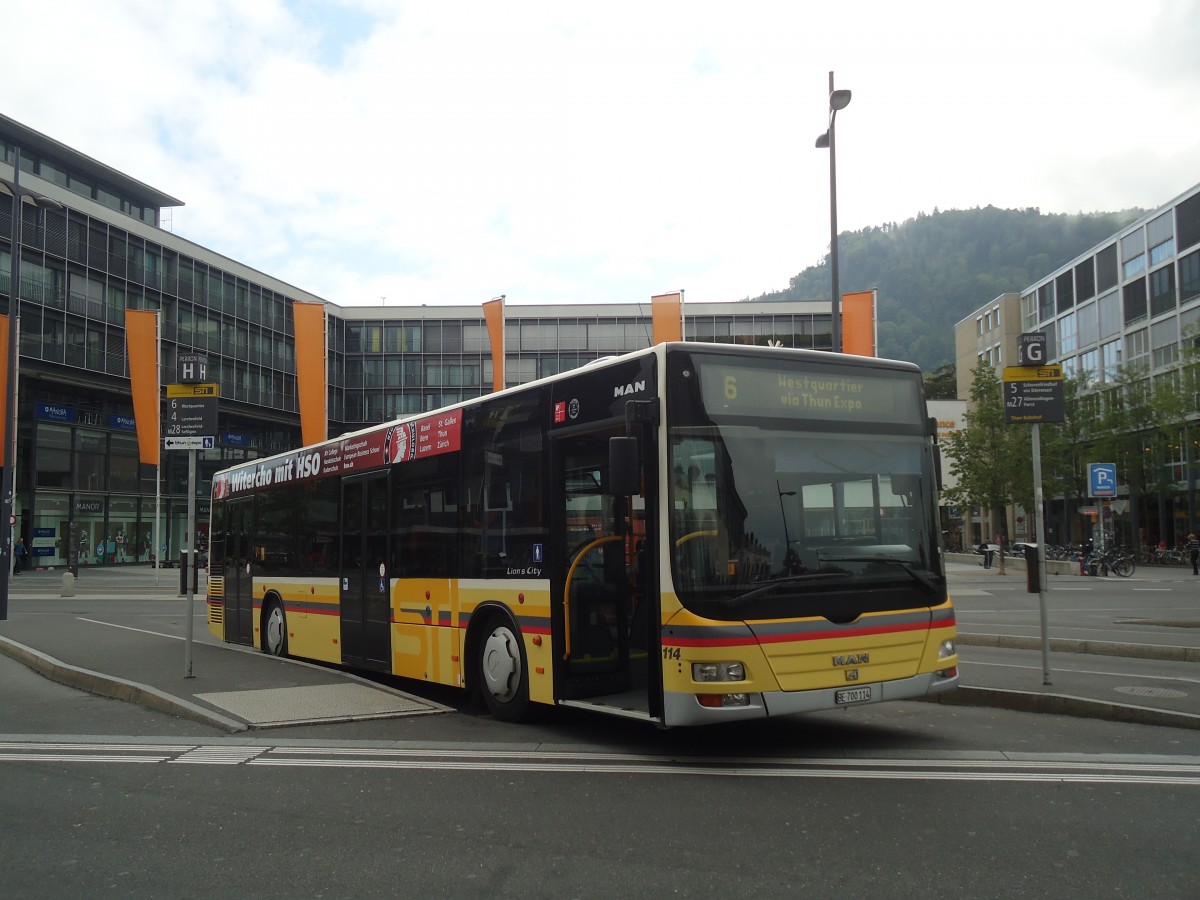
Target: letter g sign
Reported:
point(1031, 349)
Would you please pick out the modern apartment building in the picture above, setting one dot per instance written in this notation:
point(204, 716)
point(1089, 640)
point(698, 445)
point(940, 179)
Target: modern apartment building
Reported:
point(1130, 303)
point(101, 250)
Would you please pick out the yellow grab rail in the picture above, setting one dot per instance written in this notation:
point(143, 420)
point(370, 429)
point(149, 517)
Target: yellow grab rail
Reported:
point(567, 588)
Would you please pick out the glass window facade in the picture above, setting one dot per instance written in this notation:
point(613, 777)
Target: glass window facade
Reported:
point(1162, 290)
point(1189, 276)
point(1131, 304)
point(1106, 268)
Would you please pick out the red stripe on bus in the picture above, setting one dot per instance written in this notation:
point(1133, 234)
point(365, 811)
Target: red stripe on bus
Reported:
point(793, 636)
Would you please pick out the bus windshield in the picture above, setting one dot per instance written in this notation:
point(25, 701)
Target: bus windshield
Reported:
point(784, 516)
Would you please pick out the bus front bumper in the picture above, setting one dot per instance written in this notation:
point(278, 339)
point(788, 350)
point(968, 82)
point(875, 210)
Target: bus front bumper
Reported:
point(686, 709)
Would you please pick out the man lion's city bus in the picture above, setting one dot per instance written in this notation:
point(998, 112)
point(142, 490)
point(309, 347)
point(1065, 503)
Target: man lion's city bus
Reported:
point(689, 534)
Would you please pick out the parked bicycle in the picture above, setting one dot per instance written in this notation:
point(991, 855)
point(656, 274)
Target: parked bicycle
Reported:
point(1112, 560)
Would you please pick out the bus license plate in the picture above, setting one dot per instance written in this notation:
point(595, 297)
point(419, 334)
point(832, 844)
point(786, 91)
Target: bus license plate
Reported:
point(852, 695)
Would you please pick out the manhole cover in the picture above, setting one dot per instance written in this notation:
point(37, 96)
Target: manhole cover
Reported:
point(1161, 693)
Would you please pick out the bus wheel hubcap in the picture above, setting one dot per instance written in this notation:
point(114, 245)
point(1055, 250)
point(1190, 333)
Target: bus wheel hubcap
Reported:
point(275, 629)
point(501, 664)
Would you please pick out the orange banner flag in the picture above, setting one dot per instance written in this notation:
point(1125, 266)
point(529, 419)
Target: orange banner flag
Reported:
point(308, 323)
point(666, 315)
point(858, 324)
point(493, 314)
point(141, 344)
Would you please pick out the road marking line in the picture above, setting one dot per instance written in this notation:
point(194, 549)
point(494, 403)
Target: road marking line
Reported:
point(1098, 769)
point(173, 637)
point(969, 663)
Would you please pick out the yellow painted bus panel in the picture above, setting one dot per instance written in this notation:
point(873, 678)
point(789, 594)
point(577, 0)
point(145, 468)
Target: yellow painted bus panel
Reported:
point(810, 664)
point(312, 612)
point(540, 657)
point(410, 651)
point(408, 641)
point(422, 610)
point(930, 662)
point(877, 647)
point(315, 637)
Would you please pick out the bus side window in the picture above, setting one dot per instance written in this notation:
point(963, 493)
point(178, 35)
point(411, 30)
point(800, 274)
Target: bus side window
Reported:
point(425, 518)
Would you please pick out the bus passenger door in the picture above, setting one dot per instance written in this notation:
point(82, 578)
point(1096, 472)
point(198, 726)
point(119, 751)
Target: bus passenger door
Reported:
point(239, 573)
point(602, 582)
point(366, 610)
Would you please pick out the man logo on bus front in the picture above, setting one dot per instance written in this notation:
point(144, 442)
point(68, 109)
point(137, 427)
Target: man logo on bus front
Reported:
point(853, 659)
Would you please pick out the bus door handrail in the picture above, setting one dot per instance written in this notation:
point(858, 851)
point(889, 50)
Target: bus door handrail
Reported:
point(691, 536)
point(587, 548)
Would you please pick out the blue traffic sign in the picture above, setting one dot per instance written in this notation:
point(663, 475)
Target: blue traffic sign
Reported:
point(1102, 479)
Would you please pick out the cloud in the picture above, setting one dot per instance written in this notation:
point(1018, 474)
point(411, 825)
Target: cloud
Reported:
point(588, 152)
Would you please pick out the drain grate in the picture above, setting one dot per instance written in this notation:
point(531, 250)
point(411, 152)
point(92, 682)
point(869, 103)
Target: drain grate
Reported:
point(1161, 693)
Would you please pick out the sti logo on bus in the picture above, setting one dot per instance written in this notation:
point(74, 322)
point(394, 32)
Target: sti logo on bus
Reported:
point(636, 387)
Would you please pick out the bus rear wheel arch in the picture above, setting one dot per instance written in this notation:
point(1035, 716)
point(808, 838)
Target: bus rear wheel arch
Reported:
point(274, 627)
point(501, 669)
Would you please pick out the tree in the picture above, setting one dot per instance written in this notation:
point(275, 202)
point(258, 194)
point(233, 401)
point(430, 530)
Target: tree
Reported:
point(1135, 426)
point(1068, 447)
point(989, 458)
point(936, 268)
point(942, 383)
point(1148, 430)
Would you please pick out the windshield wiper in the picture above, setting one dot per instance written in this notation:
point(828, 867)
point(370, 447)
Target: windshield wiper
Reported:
point(916, 574)
point(771, 584)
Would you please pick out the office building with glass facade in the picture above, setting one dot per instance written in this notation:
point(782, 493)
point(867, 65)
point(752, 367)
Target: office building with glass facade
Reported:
point(102, 250)
point(1128, 307)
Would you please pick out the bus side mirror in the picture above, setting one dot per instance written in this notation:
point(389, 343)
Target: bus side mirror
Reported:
point(624, 470)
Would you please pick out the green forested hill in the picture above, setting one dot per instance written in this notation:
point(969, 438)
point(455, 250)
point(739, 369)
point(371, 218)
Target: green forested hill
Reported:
point(933, 270)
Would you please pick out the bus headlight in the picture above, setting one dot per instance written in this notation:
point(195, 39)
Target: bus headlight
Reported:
point(947, 650)
point(718, 671)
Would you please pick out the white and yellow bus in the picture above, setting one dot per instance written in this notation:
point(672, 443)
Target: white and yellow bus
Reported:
point(688, 534)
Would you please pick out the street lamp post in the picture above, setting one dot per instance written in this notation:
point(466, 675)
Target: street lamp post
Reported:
point(837, 100)
point(9, 405)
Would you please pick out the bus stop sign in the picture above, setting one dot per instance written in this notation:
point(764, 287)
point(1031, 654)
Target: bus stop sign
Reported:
point(1033, 394)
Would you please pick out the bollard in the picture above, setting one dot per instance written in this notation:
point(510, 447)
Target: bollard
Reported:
point(1033, 569)
point(68, 585)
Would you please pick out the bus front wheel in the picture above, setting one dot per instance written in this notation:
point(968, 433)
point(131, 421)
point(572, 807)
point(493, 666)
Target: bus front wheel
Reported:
point(274, 639)
point(503, 676)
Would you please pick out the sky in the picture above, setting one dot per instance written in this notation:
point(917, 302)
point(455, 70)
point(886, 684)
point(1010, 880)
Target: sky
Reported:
point(567, 152)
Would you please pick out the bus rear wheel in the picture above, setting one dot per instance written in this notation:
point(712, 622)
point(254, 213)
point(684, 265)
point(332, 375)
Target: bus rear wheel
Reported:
point(274, 639)
point(503, 675)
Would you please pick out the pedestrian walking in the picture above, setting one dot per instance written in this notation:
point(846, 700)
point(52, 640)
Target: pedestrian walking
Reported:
point(19, 556)
point(987, 552)
point(1193, 548)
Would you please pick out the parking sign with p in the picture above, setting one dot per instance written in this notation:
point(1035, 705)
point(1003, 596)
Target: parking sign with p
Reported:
point(1102, 479)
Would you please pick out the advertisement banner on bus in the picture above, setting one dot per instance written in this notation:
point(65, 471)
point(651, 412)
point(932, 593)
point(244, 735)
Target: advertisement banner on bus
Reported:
point(387, 445)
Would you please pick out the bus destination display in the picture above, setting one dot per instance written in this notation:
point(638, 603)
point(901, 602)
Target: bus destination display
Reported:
point(824, 395)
